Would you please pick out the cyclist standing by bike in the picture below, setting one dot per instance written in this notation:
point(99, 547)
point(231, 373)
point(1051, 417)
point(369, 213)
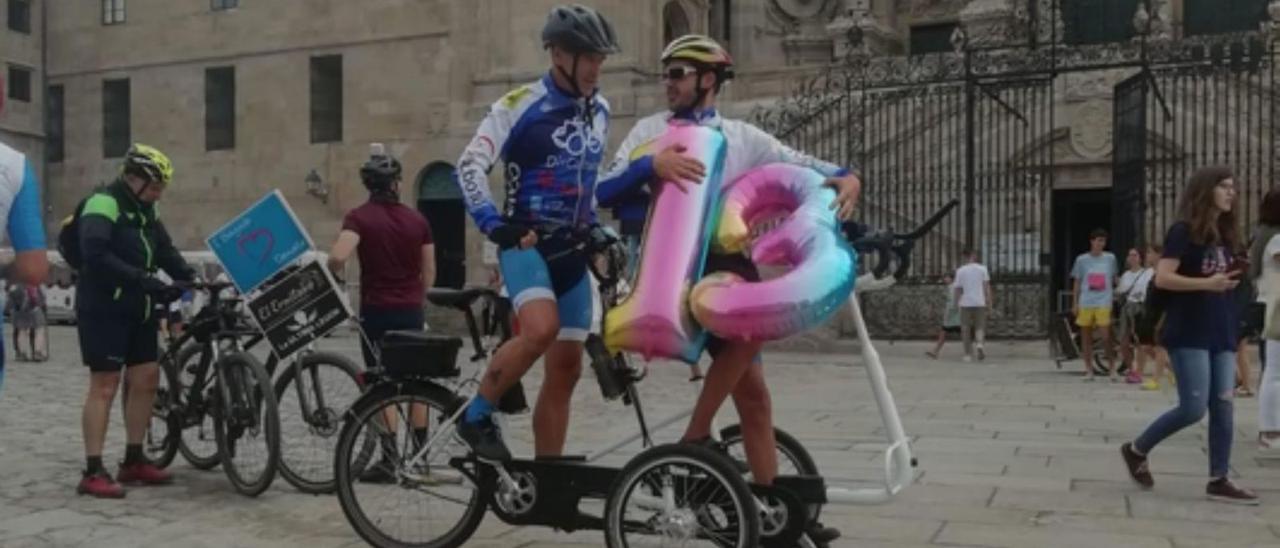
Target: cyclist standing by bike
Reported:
point(397, 267)
point(550, 136)
point(20, 211)
point(123, 245)
point(695, 68)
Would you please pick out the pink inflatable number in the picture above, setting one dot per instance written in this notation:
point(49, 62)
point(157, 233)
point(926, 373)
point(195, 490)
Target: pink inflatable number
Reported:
point(654, 319)
point(808, 240)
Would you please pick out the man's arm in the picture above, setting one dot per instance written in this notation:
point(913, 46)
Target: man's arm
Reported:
point(169, 258)
point(96, 223)
point(341, 251)
point(766, 148)
point(429, 266)
point(484, 150)
point(632, 167)
point(26, 231)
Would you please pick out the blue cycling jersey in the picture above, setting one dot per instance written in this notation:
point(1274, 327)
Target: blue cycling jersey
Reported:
point(20, 201)
point(20, 207)
point(550, 144)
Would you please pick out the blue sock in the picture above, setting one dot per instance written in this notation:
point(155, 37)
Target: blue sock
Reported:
point(479, 410)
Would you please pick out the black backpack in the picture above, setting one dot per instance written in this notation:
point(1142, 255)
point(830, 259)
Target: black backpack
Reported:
point(69, 234)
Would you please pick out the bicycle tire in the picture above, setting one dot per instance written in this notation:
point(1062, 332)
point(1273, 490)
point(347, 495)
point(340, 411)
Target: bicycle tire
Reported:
point(322, 425)
point(268, 420)
point(789, 447)
point(199, 459)
point(718, 468)
point(167, 400)
point(372, 403)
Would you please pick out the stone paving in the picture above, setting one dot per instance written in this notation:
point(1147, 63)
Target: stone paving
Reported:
point(1013, 453)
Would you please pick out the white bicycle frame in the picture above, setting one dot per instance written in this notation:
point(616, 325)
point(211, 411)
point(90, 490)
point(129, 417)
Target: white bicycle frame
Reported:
point(898, 472)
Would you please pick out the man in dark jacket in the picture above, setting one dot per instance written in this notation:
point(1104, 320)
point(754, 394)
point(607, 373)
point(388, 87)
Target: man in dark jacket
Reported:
point(123, 245)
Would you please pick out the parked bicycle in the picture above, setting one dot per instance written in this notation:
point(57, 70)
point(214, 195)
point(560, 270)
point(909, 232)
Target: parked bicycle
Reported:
point(312, 392)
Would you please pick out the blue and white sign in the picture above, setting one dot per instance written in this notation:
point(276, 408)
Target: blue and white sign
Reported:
point(260, 242)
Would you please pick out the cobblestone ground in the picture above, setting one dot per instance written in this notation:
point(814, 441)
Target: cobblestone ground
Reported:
point(1013, 453)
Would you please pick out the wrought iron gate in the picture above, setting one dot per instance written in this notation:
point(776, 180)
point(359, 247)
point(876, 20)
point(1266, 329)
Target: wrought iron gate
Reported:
point(979, 124)
point(926, 130)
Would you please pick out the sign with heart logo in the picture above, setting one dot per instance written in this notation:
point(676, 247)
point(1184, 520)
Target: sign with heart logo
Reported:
point(260, 242)
point(302, 307)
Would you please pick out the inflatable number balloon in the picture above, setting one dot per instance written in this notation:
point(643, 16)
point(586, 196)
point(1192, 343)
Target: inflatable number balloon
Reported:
point(808, 240)
point(654, 319)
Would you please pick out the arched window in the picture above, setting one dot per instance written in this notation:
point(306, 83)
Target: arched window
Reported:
point(440, 201)
point(675, 22)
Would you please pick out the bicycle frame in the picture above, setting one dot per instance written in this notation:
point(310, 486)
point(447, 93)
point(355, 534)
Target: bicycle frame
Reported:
point(898, 456)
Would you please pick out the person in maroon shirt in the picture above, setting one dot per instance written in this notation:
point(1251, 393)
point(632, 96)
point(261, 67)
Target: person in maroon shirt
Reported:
point(397, 266)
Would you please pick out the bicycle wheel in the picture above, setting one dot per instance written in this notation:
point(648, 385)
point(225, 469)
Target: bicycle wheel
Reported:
point(160, 442)
point(681, 495)
point(198, 444)
point(793, 458)
point(247, 424)
point(437, 503)
point(314, 393)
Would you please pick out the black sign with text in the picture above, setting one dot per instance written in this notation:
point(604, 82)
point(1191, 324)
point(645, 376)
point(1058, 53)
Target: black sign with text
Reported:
point(301, 308)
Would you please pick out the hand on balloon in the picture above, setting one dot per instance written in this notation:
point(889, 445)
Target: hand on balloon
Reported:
point(671, 165)
point(847, 190)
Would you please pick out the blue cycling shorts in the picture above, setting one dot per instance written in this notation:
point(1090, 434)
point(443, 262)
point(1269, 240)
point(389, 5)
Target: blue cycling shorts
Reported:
point(528, 278)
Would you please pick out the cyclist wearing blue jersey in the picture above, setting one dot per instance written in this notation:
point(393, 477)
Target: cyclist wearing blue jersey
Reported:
point(20, 209)
point(549, 138)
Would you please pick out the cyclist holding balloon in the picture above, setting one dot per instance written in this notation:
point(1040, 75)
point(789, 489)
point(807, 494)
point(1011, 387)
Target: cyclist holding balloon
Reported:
point(695, 68)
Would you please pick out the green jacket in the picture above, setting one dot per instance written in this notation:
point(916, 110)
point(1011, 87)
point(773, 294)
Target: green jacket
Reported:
point(122, 241)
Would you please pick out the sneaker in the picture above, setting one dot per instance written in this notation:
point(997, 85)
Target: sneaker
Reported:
point(1222, 490)
point(100, 485)
point(485, 440)
point(1133, 377)
point(931, 355)
point(1150, 384)
point(821, 534)
point(144, 473)
point(982, 354)
point(1137, 464)
point(1268, 445)
point(1087, 378)
point(967, 359)
point(381, 472)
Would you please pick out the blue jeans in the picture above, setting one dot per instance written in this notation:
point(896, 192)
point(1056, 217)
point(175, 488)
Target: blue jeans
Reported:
point(1206, 381)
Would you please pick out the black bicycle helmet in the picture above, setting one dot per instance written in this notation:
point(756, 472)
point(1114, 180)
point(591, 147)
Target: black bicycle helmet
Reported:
point(379, 172)
point(579, 29)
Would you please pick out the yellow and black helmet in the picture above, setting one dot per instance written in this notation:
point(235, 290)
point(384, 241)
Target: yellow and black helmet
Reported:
point(698, 49)
point(149, 163)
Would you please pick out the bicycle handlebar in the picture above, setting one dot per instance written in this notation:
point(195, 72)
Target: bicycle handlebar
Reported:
point(891, 247)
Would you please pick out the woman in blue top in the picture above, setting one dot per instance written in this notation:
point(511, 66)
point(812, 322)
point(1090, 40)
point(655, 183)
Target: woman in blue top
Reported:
point(1196, 275)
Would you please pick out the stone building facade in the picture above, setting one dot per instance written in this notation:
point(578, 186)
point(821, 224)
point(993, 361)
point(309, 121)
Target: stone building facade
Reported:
point(290, 93)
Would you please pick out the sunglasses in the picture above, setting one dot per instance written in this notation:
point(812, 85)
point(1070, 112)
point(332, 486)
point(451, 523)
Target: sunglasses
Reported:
point(678, 72)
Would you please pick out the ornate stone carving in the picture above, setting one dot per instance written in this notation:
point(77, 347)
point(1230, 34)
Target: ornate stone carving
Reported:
point(987, 22)
point(437, 119)
point(801, 10)
point(1091, 130)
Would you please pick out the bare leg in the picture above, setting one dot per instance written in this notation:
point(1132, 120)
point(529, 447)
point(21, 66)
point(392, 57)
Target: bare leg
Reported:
point(1086, 354)
point(1108, 350)
point(143, 379)
point(755, 411)
point(97, 406)
point(726, 370)
point(539, 325)
point(551, 413)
